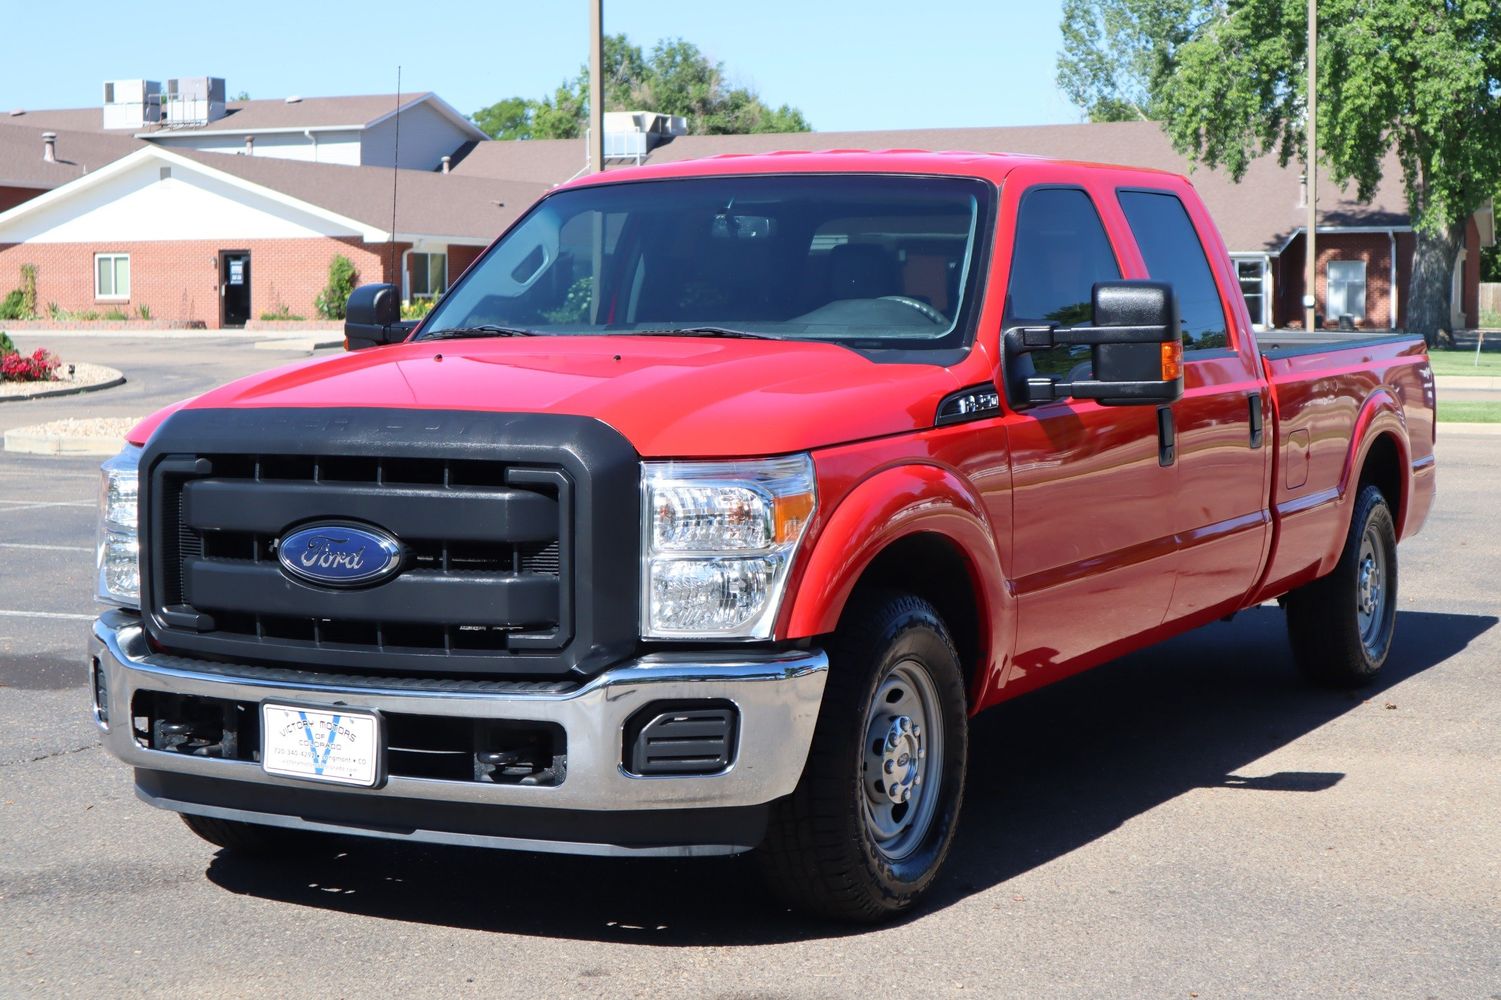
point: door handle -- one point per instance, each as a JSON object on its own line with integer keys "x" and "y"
{"x": 1254, "y": 399}
{"x": 1167, "y": 437}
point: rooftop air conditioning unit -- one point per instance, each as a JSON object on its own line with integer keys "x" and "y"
{"x": 193, "y": 100}
{"x": 132, "y": 104}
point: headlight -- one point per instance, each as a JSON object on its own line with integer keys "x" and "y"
{"x": 119, "y": 552}
{"x": 718, "y": 542}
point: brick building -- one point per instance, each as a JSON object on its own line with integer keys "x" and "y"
{"x": 218, "y": 240}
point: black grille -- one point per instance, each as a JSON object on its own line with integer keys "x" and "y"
{"x": 489, "y": 579}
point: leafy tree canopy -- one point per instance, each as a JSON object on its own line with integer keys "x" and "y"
{"x": 1228, "y": 81}
{"x": 676, "y": 78}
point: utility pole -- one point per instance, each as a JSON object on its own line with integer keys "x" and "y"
{"x": 1311, "y": 264}
{"x": 597, "y": 85}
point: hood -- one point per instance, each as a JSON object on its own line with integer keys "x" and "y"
{"x": 670, "y": 397}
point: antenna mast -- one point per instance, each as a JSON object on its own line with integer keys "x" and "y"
{"x": 395, "y": 173}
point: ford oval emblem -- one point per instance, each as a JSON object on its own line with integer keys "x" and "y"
{"x": 339, "y": 554}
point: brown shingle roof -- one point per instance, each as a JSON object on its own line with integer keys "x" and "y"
{"x": 1259, "y": 214}
{"x": 428, "y": 204}
{"x": 21, "y": 163}
{"x": 240, "y": 116}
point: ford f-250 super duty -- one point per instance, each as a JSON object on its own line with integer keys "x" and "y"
{"x": 711, "y": 503}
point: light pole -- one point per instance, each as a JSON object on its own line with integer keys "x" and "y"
{"x": 1311, "y": 264}
{"x": 597, "y": 86}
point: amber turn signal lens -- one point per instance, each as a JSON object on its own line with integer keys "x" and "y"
{"x": 1172, "y": 361}
{"x": 792, "y": 513}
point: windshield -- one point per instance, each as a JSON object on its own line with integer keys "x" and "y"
{"x": 877, "y": 263}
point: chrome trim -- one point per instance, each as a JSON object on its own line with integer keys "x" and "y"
{"x": 778, "y": 695}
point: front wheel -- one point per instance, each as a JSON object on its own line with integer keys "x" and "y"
{"x": 1341, "y": 625}
{"x": 874, "y": 814}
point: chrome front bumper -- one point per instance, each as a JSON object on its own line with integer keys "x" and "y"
{"x": 777, "y": 694}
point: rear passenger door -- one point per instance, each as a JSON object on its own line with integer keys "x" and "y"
{"x": 1219, "y": 511}
{"x": 1093, "y": 550}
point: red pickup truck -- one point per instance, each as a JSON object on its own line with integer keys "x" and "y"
{"x": 703, "y": 512}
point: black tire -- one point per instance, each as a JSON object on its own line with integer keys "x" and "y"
{"x": 1338, "y": 640}
{"x": 251, "y": 839}
{"x": 821, "y": 854}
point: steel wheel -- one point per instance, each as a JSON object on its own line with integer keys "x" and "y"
{"x": 903, "y": 763}
{"x": 1371, "y": 590}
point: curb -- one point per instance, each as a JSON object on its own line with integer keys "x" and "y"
{"x": 1462, "y": 428}
{"x": 305, "y": 344}
{"x": 20, "y": 442}
{"x": 75, "y": 390}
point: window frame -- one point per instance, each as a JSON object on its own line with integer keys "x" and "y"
{"x": 412, "y": 296}
{"x": 113, "y": 296}
{"x": 1232, "y": 331}
{"x": 1345, "y": 284}
{"x": 1264, "y": 274}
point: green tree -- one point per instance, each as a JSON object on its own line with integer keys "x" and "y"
{"x": 675, "y": 79}
{"x": 1418, "y": 76}
{"x": 507, "y": 119}
{"x": 1118, "y": 54}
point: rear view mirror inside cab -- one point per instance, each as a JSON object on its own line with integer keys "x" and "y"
{"x": 1136, "y": 353}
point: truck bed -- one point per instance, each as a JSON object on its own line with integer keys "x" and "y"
{"x": 1336, "y": 399}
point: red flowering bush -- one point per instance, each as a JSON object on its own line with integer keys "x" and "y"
{"x": 41, "y": 366}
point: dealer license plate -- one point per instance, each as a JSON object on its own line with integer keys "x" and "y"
{"x": 337, "y": 746}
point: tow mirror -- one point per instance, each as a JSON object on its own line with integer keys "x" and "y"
{"x": 1137, "y": 356}
{"x": 373, "y": 317}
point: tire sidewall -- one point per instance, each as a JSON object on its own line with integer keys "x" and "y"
{"x": 1373, "y": 512}
{"x": 917, "y": 637}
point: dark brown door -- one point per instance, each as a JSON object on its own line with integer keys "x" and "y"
{"x": 234, "y": 288}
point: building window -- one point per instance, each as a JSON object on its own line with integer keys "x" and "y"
{"x": 1252, "y": 274}
{"x": 427, "y": 275}
{"x": 1346, "y": 279}
{"x": 112, "y": 276}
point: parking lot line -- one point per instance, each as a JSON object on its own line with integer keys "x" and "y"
{"x": 58, "y": 615}
{"x": 15, "y": 505}
{"x": 47, "y": 548}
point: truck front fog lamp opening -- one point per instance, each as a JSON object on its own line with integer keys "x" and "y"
{"x": 119, "y": 551}
{"x": 718, "y": 539}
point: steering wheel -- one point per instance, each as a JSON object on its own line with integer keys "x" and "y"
{"x": 933, "y": 315}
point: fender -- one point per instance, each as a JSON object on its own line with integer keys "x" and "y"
{"x": 1379, "y": 415}
{"x": 894, "y": 504}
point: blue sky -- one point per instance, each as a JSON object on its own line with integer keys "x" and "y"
{"x": 866, "y": 65}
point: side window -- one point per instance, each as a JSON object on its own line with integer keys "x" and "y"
{"x": 1060, "y": 251}
{"x": 1172, "y": 252}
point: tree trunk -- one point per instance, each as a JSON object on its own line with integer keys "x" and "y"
{"x": 1428, "y": 291}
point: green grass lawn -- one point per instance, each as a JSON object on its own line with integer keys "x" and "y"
{"x": 1469, "y": 412}
{"x": 1463, "y": 362}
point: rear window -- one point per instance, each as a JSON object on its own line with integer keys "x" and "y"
{"x": 1170, "y": 247}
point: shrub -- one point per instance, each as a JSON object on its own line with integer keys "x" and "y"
{"x": 331, "y": 301}
{"x": 281, "y": 312}
{"x": 116, "y": 313}
{"x": 7, "y": 346}
{"x": 13, "y": 306}
{"x": 40, "y": 366}
{"x": 417, "y": 308}
{"x": 28, "y": 290}
{"x": 143, "y": 311}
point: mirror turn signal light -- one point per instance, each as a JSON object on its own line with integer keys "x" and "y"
{"x": 1172, "y": 360}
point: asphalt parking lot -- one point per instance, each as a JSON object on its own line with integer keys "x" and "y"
{"x": 1191, "y": 821}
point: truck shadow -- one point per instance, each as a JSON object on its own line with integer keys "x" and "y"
{"x": 1049, "y": 773}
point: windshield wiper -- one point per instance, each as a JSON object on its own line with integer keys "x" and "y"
{"x": 484, "y": 330}
{"x": 700, "y": 331}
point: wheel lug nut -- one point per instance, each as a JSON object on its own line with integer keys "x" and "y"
{"x": 917, "y": 730}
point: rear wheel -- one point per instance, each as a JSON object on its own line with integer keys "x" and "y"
{"x": 1341, "y": 625}
{"x": 872, "y": 819}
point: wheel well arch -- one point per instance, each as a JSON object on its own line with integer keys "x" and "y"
{"x": 1382, "y": 468}
{"x": 931, "y": 566}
